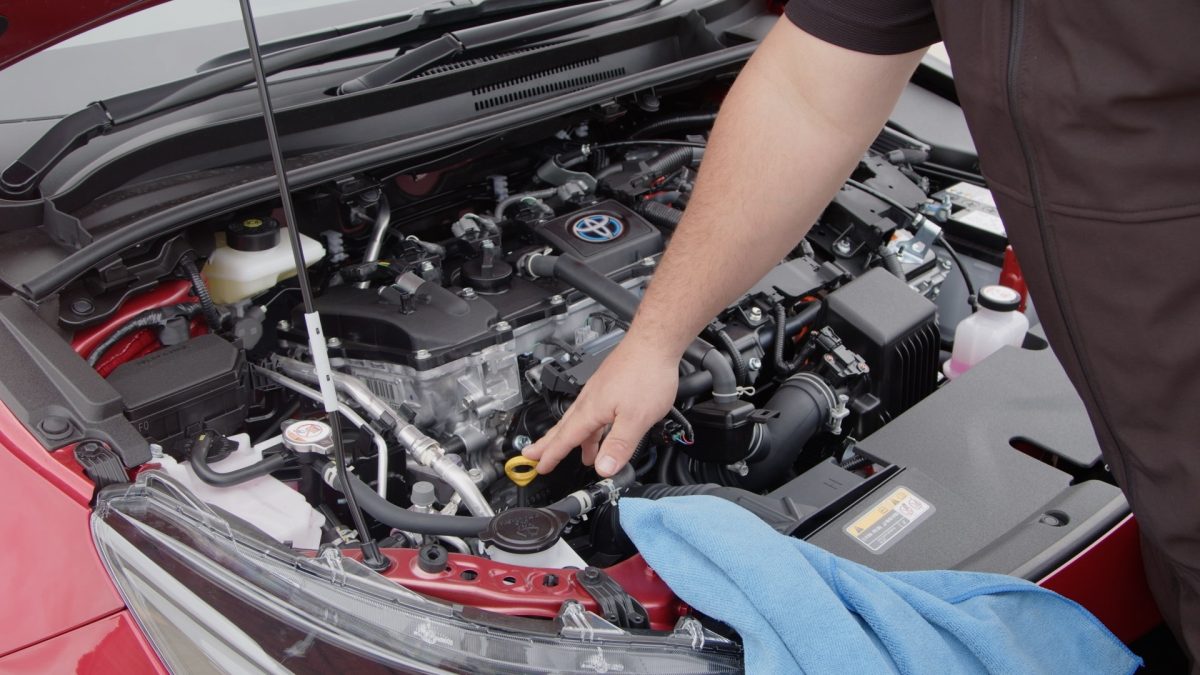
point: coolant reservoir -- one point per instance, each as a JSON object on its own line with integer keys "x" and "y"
{"x": 265, "y": 502}
{"x": 254, "y": 256}
{"x": 997, "y": 323}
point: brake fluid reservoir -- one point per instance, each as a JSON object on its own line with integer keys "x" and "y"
{"x": 254, "y": 256}
{"x": 997, "y": 323}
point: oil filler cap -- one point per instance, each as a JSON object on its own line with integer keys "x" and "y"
{"x": 525, "y": 530}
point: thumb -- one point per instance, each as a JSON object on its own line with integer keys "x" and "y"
{"x": 619, "y": 445}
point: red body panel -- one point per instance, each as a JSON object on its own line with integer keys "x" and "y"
{"x": 53, "y": 580}
{"x": 523, "y": 591}
{"x": 113, "y": 644}
{"x": 33, "y": 26}
{"x": 1108, "y": 578}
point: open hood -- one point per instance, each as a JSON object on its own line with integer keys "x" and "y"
{"x": 27, "y": 28}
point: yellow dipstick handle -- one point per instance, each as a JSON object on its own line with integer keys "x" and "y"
{"x": 520, "y": 470}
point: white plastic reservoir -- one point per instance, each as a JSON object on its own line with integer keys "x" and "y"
{"x": 997, "y": 323}
{"x": 234, "y": 274}
{"x": 265, "y": 502}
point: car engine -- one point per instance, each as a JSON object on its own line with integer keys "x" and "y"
{"x": 467, "y": 300}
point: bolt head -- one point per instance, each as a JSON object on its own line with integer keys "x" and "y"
{"x": 754, "y": 363}
{"x": 648, "y": 262}
{"x": 426, "y": 266}
{"x": 468, "y": 293}
{"x": 501, "y": 326}
{"x": 423, "y": 354}
{"x": 556, "y": 300}
{"x": 842, "y": 246}
{"x": 756, "y": 314}
{"x": 521, "y": 442}
{"x": 333, "y": 343}
{"x": 284, "y": 325}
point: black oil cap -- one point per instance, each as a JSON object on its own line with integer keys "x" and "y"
{"x": 525, "y": 530}
{"x": 252, "y": 234}
{"x": 999, "y": 298}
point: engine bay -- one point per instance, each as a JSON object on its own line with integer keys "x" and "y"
{"x": 466, "y": 300}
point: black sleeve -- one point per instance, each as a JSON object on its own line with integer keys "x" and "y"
{"x": 869, "y": 26}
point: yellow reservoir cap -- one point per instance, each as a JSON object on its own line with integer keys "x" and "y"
{"x": 521, "y": 470}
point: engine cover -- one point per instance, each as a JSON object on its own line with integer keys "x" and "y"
{"x": 607, "y": 236}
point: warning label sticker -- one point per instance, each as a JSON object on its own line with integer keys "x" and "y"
{"x": 889, "y": 520}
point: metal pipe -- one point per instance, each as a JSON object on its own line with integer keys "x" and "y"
{"x": 427, "y": 451}
{"x": 383, "y": 219}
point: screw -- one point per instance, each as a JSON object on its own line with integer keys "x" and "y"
{"x": 284, "y": 325}
{"x": 82, "y": 307}
{"x": 423, "y": 354}
{"x": 842, "y": 246}
{"x": 740, "y": 468}
{"x": 756, "y": 314}
{"x": 754, "y": 363}
{"x": 946, "y": 264}
{"x": 521, "y": 442}
{"x": 501, "y": 326}
{"x": 467, "y": 293}
{"x": 556, "y": 300}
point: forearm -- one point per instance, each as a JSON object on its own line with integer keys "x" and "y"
{"x": 792, "y": 128}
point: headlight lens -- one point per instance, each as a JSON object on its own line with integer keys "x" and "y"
{"x": 210, "y": 595}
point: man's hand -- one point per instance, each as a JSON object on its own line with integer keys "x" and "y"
{"x": 793, "y": 126}
{"x": 631, "y": 390}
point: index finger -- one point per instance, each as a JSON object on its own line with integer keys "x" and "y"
{"x": 550, "y": 449}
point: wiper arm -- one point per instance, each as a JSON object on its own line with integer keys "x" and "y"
{"x": 434, "y": 15}
{"x": 72, "y": 132}
{"x": 522, "y": 28}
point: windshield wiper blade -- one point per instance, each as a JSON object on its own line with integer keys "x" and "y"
{"x": 523, "y": 28}
{"x": 72, "y": 132}
{"x": 455, "y": 11}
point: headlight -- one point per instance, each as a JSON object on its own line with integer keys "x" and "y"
{"x": 211, "y": 594}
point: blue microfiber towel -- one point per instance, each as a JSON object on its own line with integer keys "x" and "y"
{"x": 800, "y": 609}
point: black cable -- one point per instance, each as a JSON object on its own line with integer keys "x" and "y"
{"x": 962, "y": 270}
{"x": 912, "y": 215}
{"x": 663, "y": 474}
{"x": 372, "y": 557}
{"x": 649, "y": 141}
{"x": 150, "y": 318}
{"x": 674, "y": 123}
{"x": 211, "y": 315}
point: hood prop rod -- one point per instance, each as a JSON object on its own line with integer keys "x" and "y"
{"x": 371, "y": 555}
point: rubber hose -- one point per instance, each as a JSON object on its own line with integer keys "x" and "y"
{"x": 804, "y": 409}
{"x": 410, "y": 521}
{"x": 211, "y": 315}
{"x": 675, "y": 123}
{"x": 660, "y": 214}
{"x": 740, "y": 371}
{"x": 664, "y": 465}
{"x": 199, "y": 461}
{"x": 670, "y": 161}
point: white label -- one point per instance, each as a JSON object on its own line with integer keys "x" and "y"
{"x": 889, "y": 520}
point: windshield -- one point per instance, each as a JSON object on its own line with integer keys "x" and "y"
{"x": 162, "y": 44}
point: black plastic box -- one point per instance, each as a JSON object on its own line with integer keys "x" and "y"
{"x": 177, "y": 391}
{"x": 892, "y": 328}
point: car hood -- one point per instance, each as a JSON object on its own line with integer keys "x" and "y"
{"x": 27, "y": 28}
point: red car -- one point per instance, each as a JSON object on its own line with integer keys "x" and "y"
{"x": 481, "y": 193}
